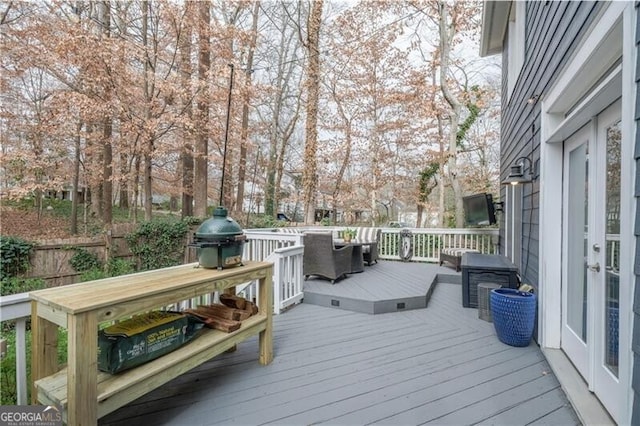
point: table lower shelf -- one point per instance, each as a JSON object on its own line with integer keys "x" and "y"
{"x": 117, "y": 390}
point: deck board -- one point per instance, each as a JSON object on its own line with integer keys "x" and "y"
{"x": 439, "y": 365}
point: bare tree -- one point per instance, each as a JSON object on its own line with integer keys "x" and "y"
{"x": 312, "y": 84}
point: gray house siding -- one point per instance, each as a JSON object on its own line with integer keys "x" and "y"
{"x": 635, "y": 380}
{"x": 552, "y": 31}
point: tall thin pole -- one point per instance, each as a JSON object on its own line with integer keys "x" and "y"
{"x": 226, "y": 135}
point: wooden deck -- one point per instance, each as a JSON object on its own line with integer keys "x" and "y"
{"x": 439, "y": 365}
{"x": 384, "y": 287}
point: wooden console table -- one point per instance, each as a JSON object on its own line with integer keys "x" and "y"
{"x": 87, "y": 394}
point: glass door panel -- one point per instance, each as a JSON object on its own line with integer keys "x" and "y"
{"x": 576, "y": 278}
{"x": 605, "y": 197}
{"x": 612, "y": 238}
{"x": 578, "y": 231}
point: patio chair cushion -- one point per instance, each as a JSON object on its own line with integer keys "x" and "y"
{"x": 367, "y": 234}
{"x": 456, "y": 251}
{"x": 290, "y": 230}
{"x": 370, "y": 235}
{"x": 453, "y": 255}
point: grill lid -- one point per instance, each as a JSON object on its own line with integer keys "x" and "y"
{"x": 219, "y": 227}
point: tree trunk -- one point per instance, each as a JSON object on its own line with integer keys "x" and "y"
{"x": 186, "y": 156}
{"x": 107, "y": 193}
{"x": 76, "y": 165}
{"x": 446, "y": 35}
{"x": 345, "y": 159}
{"x": 274, "y": 133}
{"x": 420, "y": 211}
{"x": 148, "y": 148}
{"x": 76, "y": 181}
{"x": 202, "y": 139}
{"x": 286, "y": 137}
{"x": 441, "y": 173}
{"x": 309, "y": 176}
{"x": 244, "y": 131}
{"x": 107, "y": 133}
{"x": 94, "y": 159}
{"x": 123, "y": 198}
{"x": 136, "y": 191}
{"x": 125, "y": 167}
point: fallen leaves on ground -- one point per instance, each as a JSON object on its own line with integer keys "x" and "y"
{"x": 27, "y": 225}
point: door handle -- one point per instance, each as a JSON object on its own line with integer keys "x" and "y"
{"x": 595, "y": 267}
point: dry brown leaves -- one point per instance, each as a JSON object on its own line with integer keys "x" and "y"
{"x": 26, "y": 225}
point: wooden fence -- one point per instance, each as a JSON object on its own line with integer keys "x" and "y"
{"x": 50, "y": 258}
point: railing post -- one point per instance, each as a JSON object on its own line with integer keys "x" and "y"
{"x": 21, "y": 360}
{"x": 277, "y": 283}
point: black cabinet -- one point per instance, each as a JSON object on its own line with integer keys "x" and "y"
{"x": 485, "y": 268}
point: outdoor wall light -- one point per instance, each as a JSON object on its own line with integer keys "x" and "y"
{"x": 533, "y": 99}
{"x": 519, "y": 172}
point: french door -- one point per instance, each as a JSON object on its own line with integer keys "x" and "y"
{"x": 591, "y": 254}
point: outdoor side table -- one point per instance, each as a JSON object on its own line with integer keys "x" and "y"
{"x": 479, "y": 268}
{"x": 357, "y": 258}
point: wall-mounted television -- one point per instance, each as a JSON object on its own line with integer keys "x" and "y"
{"x": 479, "y": 210}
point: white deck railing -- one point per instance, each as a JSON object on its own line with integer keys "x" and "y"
{"x": 18, "y": 307}
{"x": 426, "y": 243}
{"x": 287, "y": 277}
{"x": 285, "y": 250}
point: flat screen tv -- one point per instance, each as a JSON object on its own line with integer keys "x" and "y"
{"x": 479, "y": 210}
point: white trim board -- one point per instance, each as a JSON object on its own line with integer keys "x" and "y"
{"x": 587, "y": 406}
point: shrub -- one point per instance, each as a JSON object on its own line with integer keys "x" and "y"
{"x": 262, "y": 221}
{"x": 14, "y": 256}
{"x": 84, "y": 260}
{"x": 8, "y": 392}
{"x": 93, "y": 274}
{"x": 115, "y": 267}
{"x": 158, "y": 243}
{"x": 17, "y": 285}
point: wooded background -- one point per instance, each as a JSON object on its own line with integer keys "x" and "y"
{"x": 367, "y": 108}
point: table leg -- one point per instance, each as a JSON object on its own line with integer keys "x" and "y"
{"x": 357, "y": 259}
{"x": 265, "y": 297}
{"x": 82, "y": 370}
{"x": 231, "y": 291}
{"x": 44, "y": 349}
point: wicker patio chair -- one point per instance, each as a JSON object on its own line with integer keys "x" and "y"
{"x": 323, "y": 259}
{"x": 372, "y": 237}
